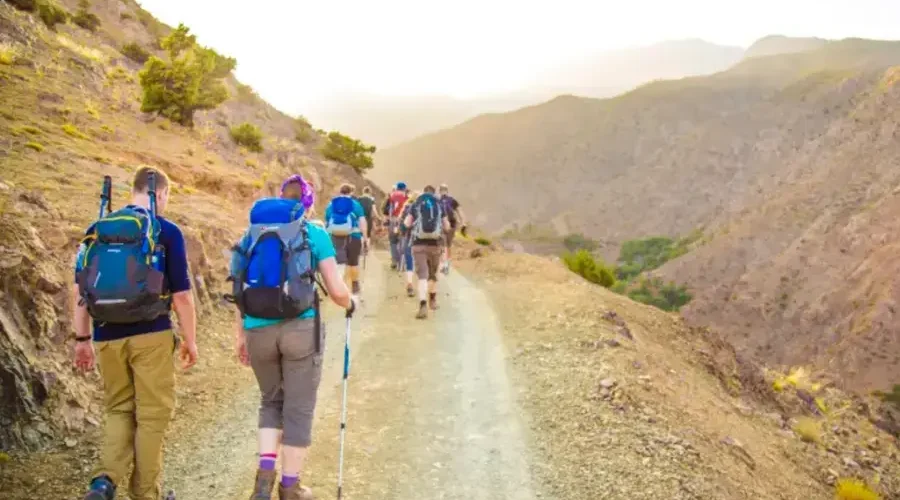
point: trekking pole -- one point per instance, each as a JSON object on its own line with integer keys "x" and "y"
{"x": 106, "y": 196}
{"x": 344, "y": 403}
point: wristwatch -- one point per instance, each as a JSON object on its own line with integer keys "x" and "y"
{"x": 82, "y": 339}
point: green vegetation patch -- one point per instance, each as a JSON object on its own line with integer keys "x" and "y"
{"x": 35, "y": 146}
{"x": 73, "y": 131}
{"x": 52, "y": 14}
{"x": 86, "y": 20}
{"x": 135, "y": 52}
{"x": 591, "y": 268}
{"x": 247, "y": 135}
{"x": 350, "y": 151}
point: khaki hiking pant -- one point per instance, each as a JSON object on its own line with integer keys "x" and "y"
{"x": 428, "y": 260}
{"x": 139, "y": 398}
{"x": 288, "y": 370}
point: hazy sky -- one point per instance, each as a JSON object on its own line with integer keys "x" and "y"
{"x": 297, "y": 53}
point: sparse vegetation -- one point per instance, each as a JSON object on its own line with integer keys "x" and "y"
{"x": 350, "y": 151}
{"x": 303, "y": 131}
{"x": 51, "y": 13}
{"x": 483, "y": 241}
{"x": 246, "y": 94}
{"x": 653, "y": 292}
{"x": 892, "y": 397}
{"x": 26, "y": 5}
{"x": 35, "y": 146}
{"x": 574, "y": 242}
{"x": 86, "y": 52}
{"x": 29, "y": 129}
{"x": 854, "y": 489}
{"x": 808, "y": 430}
{"x": 86, "y": 20}
{"x": 91, "y": 109}
{"x": 8, "y": 54}
{"x": 191, "y": 80}
{"x": 247, "y": 135}
{"x": 638, "y": 256}
{"x": 135, "y": 52}
{"x": 584, "y": 264}
{"x": 73, "y": 131}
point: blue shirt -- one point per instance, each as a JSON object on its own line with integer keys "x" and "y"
{"x": 322, "y": 248}
{"x": 358, "y": 213}
{"x": 178, "y": 279}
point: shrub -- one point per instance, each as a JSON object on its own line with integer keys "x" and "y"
{"x": 854, "y": 489}
{"x": 594, "y": 270}
{"x": 665, "y": 296}
{"x": 247, "y": 135}
{"x": 26, "y": 5}
{"x": 349, "y": 151}
{"x": 86, "y": 20}
{"x": 73, "y": 131}
{"x": 51, "y": 13}
{"x": 35, "y": 146}
{"x": 483, "y": 241}
{"x": 8, "y": 54}
{"x": 809, "y": 430}
{"x": 303, "y": 131}
{"x": 246, "y": 94}
{"x": 892, "y": 397}
{"x": 575, "y": 242}
{"x": 135, "y": 52}
{"x": 191, "y": 80}
{"x": 86, "y": 52}
{"x": 126, "y": 16}
{"x": 31, "y": 130}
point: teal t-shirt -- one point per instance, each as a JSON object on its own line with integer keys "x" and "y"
{"x": 358, "y": 213}
{"x": 322, "y": 248}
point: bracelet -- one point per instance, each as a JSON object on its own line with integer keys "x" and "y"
{"x": 83, "y": 339}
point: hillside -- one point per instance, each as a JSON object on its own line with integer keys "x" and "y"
{"x": 71, "y": 114}
{"x": 776, "y": 44}
{"x": 387, "y": 121}
{"x": 793, "y": 149}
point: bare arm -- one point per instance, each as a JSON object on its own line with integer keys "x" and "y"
{"x": 334, "y": 282}
{"x": 82, "y": 320}
{"x": 408, "y": 221}
{"x": 183, "y": 303}
{"x": 461, "y": 217}
{"x": 363, "y": 225}
{"x": 445, "y": 223}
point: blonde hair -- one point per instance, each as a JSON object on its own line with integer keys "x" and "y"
{"x": 139, "y": 183}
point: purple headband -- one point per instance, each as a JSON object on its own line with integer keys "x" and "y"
{"x": 307, "y": 196}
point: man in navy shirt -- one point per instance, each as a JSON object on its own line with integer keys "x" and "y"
{"x": 136, "y": 365}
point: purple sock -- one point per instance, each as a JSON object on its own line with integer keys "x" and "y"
{"x": 267, "y": 461}
{"x": 288, "y": 481}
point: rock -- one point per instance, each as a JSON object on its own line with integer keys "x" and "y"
{"x": 831, "y": 477}
{"x": 71, "y": 443}
{"x": 738, "y": 450}
{"x": 612, "y": 343}
{"x": 850, "y": 463}
{"x": 608, "y": 383}
{"x": 476, "y": 253}
{"x": 625, "y": 332}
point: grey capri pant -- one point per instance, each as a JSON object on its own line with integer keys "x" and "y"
{"x": 288, "y": 370}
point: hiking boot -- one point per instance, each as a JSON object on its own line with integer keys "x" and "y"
{"x": 265, "y": 481}
{"x": 410, "y": 291}
{"x": 432, "y": 303}
{"x": 295, "y": 492}
{"x": 423, "y": 310}
{"x": 101, "y": 489}
{"x": 394, "y": 266}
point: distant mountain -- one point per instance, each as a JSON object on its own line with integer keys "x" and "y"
{"x": 387, "y": 121}
{"x": 788, "y": 163}
{"x": 778, "y": 44}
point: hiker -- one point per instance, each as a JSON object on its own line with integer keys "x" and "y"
{"x": 428, "y": 224}
{"x": 346, "y": 222}
{"x": 457, "y": 220}
{"x": 406, "y": 244}
{"x": 279, "y": 332}
{"x": 393, "y": 208}
{"x": 131, "y": 271}
{"x": 367, "y": 202}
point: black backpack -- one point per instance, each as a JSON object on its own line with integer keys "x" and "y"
{"x": 367, "y": 203}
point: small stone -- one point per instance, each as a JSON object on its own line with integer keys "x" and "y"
{"x": 613, "y": 343}
{"x": 71, "y": 443}
{"x": 608, "y": 383}
{"x": 849, "y": 462}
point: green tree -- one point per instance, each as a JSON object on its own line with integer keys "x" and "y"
{"x": 191, "y": 80}
{"x": 345, "y": 149}
{"x": 574, "y": 242}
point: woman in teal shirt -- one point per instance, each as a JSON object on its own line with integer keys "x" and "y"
{"x": 287, "y": 360}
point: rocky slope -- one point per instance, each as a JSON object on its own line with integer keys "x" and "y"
{"x": 71, "y": 114}
{"x": 783, "y": 161}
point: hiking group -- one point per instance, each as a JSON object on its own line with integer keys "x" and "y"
{"x": 131, "y": 273}
{"x": 421, "y": 228}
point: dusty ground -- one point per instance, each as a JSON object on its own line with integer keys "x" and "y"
{"x": 517, "y": 388}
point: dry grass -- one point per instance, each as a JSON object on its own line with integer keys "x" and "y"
{"x": 8, "y": 54}
{"x": 35, "y": 146}
{"x": 73, "y": 131}
{"x": 809, "y": 430}
{"x": 91, "y": 109}
{"x": 86, "y": 52}
{"x": 854, "y": 489}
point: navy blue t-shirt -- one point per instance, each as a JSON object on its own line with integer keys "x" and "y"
{"x": 177, "y": 279}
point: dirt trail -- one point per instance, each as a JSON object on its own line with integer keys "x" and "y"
{"x": 431, "y": 413}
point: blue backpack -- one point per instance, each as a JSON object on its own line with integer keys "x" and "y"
{"x": 342, "y": 221}
{"x": 121, "y": 266}
{"x": 272, "y": 266}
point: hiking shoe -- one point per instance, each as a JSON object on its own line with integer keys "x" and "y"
{"x": 432, "y": 304}
{"x": 295, "y": 492}
{"x": 446, "y": 268}
{"x": 265, "y": 481}
{"x": 101, "y": 489}
{"x": 394, "y": 266}
{"x": 410, "y": 291}
{"x": 423, "y": 310}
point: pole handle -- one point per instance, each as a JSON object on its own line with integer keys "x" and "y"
{"x": 151, "y": 191}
